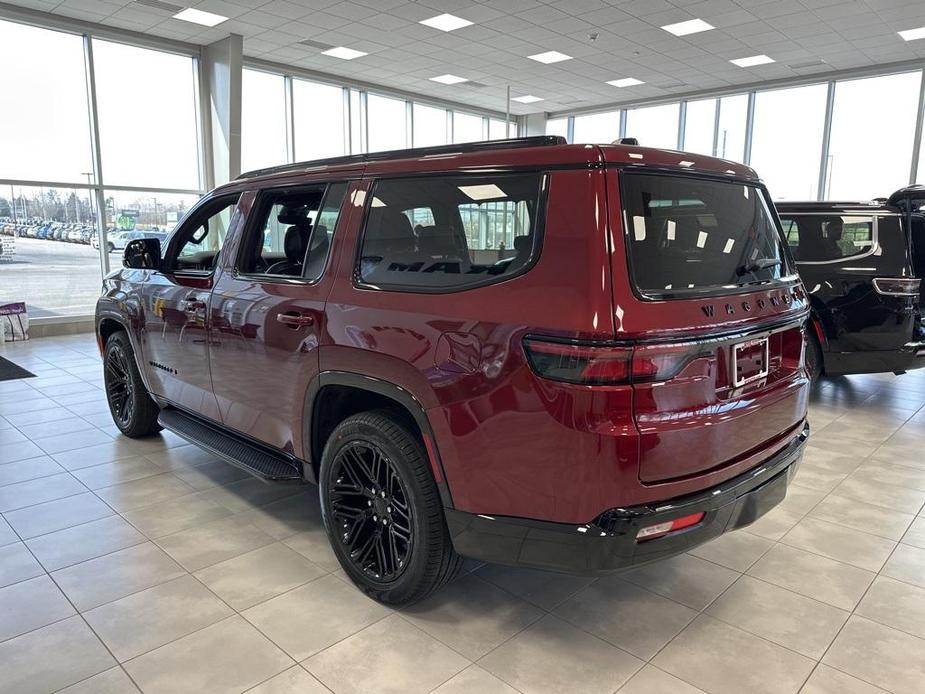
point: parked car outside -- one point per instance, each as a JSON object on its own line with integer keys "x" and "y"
{"x": 116, "y": 240}
{"x": 627, "y": 385}
{"x": 862, "y": 264}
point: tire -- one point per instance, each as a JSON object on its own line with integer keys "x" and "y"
{"x": 130, "y": 404}
{"x": 110, "y": 247}
{"x": 376, "y": 489}
{"x": 815, "y": 365}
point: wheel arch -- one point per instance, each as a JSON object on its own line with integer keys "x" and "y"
{"x": 335, "y": 395}
{"x": 108, "y": 323}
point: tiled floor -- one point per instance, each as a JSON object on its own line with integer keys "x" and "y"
{"x": 149, "y": 564}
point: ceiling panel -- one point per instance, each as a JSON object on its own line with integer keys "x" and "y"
{"x": 803, "y": 36}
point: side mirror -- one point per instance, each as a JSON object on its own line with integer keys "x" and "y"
{"x": 142, "y": 254}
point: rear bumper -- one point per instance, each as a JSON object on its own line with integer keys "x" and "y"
{"x": 608, "y": 543}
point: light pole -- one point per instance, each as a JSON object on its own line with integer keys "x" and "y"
{"x": 89, "y": 176}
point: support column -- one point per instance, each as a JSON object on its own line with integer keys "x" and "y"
{"x": 222, "y": 65}
{"x": 534, "y": 124}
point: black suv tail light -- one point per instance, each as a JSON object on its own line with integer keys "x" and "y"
{"x": 589, "y": 364}
{"x": 895, "y": 286}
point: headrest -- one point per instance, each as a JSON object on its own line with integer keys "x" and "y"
{"x": 295, "y": 243}
{"x": 522, "y": 244}
{"x": 388, "y": 231}
{"x": 293, "y": 214}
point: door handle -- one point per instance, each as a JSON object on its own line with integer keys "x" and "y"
{"x": 192, "y": 305}
{"x": 295, "y": 319}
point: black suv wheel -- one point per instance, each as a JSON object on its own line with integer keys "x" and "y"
{"x": 382, "y": 510}
{"x": 132, "y": 408}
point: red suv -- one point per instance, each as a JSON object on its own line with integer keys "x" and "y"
{"x": 560, "y": 356}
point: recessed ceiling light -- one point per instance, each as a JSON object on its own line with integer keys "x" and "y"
{"x": 753, "y": 60}
{"x": 913, "y": 34}
{"x": 550, "y": 57}
{"x": 446, "y": 22}
{"x": 448, "y": 79}
{"x": 691, "y": 26}
{"x": 343, "y": 53}
{"x": 626, "y": 82}
{"x": 207, "y": 19}
{"x": 527, "y": 99}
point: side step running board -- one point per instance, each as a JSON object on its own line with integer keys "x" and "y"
{"x": 255, "y": 459}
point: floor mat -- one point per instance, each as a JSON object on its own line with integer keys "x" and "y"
{"x": 10, "y": 371}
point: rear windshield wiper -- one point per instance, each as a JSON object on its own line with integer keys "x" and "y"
{"x": 755, "y": 265}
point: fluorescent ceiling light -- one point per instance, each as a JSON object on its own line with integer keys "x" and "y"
{"x": 691, "y": 26}
{"x": 488, "y": 191}
{"x": 446, "y": 22}
{"x": 207, "y": 19}
{"x": 448, "y": 79}
{"x": 913, "y": 34}
{"x": 626, "y": 82}
{"x": 549, "y": 57}
{"x": 753, "y": 60}
{"x": 343, "y": 53}
{"x": 527, "y": 99}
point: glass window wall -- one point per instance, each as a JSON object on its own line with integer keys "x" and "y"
{"x": 730, "y": 136}
{"x": 429, "y": 126}
{"x": 787, "y": 140}
{"x": 318, "y": 121}
{"x": 147, "y": 116}
{"x": 597, "y": 128}
{"x": 386, "y": 123}
{"x": 467, "y": 128}
{"x": 699, "y": 124}
{"x": 45, "y": 133}
{"x": 557, "y": 126}
{"x": 263, "y": 120}
{"x": 654, "y": 126}
{"x": 873, "y": 126}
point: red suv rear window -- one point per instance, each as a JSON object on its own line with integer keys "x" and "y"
{"x": 689, "y": 235}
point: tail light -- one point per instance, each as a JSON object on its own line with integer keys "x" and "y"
{"x": 890, "y": 286}
{"x": 587, "y": 364}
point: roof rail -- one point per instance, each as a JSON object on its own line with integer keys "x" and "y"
{"x": 487, "y": 145}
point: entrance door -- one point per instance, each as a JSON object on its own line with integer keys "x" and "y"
{"x": 175, "y": 342}
{"x": 268, "y": 313}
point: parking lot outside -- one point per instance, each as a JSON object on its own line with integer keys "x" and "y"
{"x": 53, "y": 278}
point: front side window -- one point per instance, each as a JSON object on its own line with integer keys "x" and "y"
{"x": 201, "y": 237}
{"x": 293, "y": 232}
{"x": 449, "y": 233}
{"x": 689, "y": 235}
{"x": 826, "y": 238}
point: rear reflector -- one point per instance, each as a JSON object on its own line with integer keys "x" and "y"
{"x": 650, "y": 532}
{"x": 891, "y": 286}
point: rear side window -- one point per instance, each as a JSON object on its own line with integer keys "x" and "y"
{"x": 449, "y": 233}
{"x": 826, "y": 238}
{"x": 688, "y": 235}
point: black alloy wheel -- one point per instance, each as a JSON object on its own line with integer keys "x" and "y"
{"x": 369, "y": 504}
{"x": 119, "y": 387}
{"x": 132, "y": 408}
{"x": 382, "y": 509}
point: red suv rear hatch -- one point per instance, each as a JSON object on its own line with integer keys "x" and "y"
{"x": 706, "y": 292}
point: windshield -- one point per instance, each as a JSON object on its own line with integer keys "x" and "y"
{"x": 687, "y": 235}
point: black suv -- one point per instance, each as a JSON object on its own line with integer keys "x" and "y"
{"x": 862, "y": 264}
